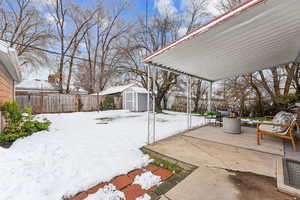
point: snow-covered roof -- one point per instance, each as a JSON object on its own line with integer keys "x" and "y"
{"x": 9, "y": 58}
{"x": 256, "y": 35}
{"x": 115, "y": 89}
{"x": 139, "y": 90}
{"x": 77, "y": 89}
{"x": 35, "y": 84}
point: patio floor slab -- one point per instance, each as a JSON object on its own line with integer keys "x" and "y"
{"x": 247, "y": 139}
{"x": 215, "y": 184}
{"x": 202, "y": 182}
{"x": 202, "y": 152}
{"x": 224, "y": 171}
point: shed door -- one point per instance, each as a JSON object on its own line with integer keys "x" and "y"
{"x": 129, "y": 102}
{"x": 142, "y": 102}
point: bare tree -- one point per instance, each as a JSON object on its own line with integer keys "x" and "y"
{"x": 78, "y": 16}
{"x": 225, "y": 5}
{"x": 198, "y": 91}
{"x": 146, "y": 41}
{"x": 60, "y": 13}
{"x": 24, "y": 28}
{"x": 293, "y": 77}
{"x": 102, "y": 45}
{"x": 195, "y": 12}
{"x": 161, "y": 30}
{"x": 238, "y": 93}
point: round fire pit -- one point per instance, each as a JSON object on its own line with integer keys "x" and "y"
{"x": 232, "y": 125}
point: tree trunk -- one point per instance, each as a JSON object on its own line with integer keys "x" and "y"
{"x": 61, "y": 68}
{"x": 165, "y": 102}
{"x": 158, "y": 101}
{"x": 266, "y": 86}
{"x": 69, "y": 75}
{"x": 258, "y": 96}
{"x": 196, "y": 107}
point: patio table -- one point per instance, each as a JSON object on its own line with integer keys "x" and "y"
{"x": 232, "y": 125}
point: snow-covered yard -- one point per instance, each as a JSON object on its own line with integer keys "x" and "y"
{"x": 79, "y": 151}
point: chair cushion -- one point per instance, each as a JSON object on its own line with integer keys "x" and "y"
{"x": 282, "y": 118}
{"x": 269, "y": 128}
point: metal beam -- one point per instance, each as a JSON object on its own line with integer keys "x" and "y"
{"x": 190, "y": 92}
{"x": 153, "y": 104}
{"x": 148, "y": 103}
{"x": 188, "y": 101}
{"x": 177, "y": 71}
{"x": 209, "y": 108}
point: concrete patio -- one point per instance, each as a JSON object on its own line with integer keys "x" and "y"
{"x": 247, "y": 139}
{"x": 220, "y": 157}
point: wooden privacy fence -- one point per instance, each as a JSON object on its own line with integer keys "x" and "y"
{"x": 59, "y": 103}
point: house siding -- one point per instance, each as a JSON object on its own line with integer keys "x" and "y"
{"x": 6, "y": 86}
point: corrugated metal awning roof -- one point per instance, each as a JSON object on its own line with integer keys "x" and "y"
{"x": 256, "y": 35}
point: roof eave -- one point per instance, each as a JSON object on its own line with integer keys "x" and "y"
{"x": 178, "y": 72}
{"x": 11, "y": 62}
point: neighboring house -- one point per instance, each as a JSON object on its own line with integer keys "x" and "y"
{"x": 9, "y": 74}
{"x": 77, "y": 90}
{"x": 130, "y": 97}
{"x": 37, "y": 86}
{"x": 177, "y": 102}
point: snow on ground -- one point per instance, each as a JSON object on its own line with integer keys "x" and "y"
{"x": 147, "y": 180}
{"x": 108, "y": 192}
{"x": 79, "y": 151}
{"x": 145, "y": 197}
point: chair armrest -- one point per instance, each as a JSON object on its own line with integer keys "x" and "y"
{"x": 272, "y": 124}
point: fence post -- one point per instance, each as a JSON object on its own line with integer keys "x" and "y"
{"x": 42, "y": 103}
{"x": 78, "y": 103}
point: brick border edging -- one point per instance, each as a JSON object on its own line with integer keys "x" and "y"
{"x": 175, "y": 179}
{"x": 125, "y": 183}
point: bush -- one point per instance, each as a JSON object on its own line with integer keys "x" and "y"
{"x": 20, "y": 122}
{"x": 11, "y": 112}
{"x": 108, "y": 103}
{"x": 210, "y": 113}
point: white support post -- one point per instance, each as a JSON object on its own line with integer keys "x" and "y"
{"x": 188, "y": 101}
{"x": 148, "y": 102}
{"x": 190, "y": 92}
{"x": 153, "y": 104}
{"x": 209, "y": 108}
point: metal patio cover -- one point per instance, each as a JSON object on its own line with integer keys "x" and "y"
{"x": 256, "y": 35}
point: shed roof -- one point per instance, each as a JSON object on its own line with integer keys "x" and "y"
{"x": 139, "y": 90}
{"x": 256, "y": 35}
{"x": 115, "y": 89}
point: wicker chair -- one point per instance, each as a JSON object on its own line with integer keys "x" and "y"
{"x": 266, "y": 128}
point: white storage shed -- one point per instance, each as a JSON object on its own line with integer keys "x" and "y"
{"x": 135, "y": 99}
